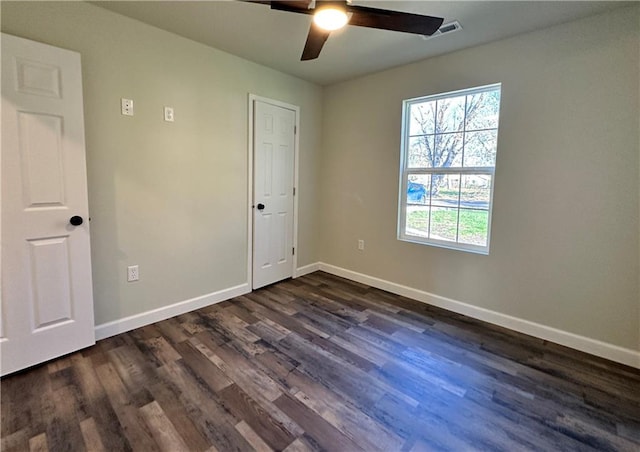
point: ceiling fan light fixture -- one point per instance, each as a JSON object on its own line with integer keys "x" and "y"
{"x": 329, "y": 15}
{"x": 330, "y": 18}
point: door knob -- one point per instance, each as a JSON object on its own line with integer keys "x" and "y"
{"x": 75, "y": 220}
{"x": 260, "y": 206}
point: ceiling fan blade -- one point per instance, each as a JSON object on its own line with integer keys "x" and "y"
{"x": 315, "y": 40}
{"x": 292, "y": 6}
{"x": 394, "y": 20}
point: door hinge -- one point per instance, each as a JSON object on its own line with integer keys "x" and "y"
{"x": 294, "y": 191}
{"x": 295, "y": 130}
{"x": 293, "y": 251}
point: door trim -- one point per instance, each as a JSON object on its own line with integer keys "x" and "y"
{"x": 296, "y": 153}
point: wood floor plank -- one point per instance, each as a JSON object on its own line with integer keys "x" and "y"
{"x": 276, "y": 365}
{"x": 16, "y": 441}
{"x": 267, "y": 332}
{"x": 38, "y": 443}
{"x": 266, "y": 299}
{"x": 244, "y": 407}
{"x": 137, "y": 433}
{"x": 98, "y": 406}
{"x": 260, "y": 386}
{"x": 203, "y": 367}
{"x": 408, "y": 323}
{"x": 205, "y": 409}
{"x": 131, "y": 370}
{"x": 342, "y": 307}
{"x": 172, "y": 331}
{"x": 396, "y": 415}
{"x": 277, "y": 317}
{"x": 20, "y": 410}
{"x": 348, "y": 353}
{"x": 336, "y": 373}
{"x": 233, "y": 326}
{"x": 161, "y": 428}
{"x": 252, "y": 437}
{"x": 320, "y": 363}
{"x": 192, "y": 323}
{"x": 350, "y": 421}
{"x": 236, "y": 367}
{"x": 162, "y": 350}
{"x": 299, "y": 445}
{"x": 242, "y": 313}
{"x": 91, "y": 436}
{"x": 63, "y": 428}
{"x": 320, "y": 430}
{"x": 179, "y": 416}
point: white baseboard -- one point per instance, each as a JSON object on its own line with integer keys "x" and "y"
{"x": 301, "y": 271}
{"x": 145, "y": 318}
{"x": 575, "y": 341}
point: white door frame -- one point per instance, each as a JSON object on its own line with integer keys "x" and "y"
{"x": 250, "y": 200}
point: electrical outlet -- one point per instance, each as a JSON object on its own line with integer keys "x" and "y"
{"x": 133, "y": 273}
{"x": 168, "y": 114}
{"x": 127, "y": 106}
{"x": 361, "y": 245}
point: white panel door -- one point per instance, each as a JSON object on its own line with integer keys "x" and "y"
{"x": 274, "y": 150}
{"x": 47, "y": 299}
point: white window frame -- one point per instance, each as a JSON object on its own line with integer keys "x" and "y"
{"x": 405, "y": 172}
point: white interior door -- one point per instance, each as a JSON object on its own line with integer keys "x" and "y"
{"x": 273, "y": 199}
{"x": 47, "y": 300}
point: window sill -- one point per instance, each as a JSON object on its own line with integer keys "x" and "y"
{"x": 447, "y": 245}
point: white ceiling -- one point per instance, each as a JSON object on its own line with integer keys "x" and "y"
{"x": 276, "y": 39}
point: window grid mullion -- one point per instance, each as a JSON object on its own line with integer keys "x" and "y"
{"x": 430, "y": 211}
{"x": 464, "y": 142}
{"x": 435, "y": 133}
{"x": 472, "y": 170}
{"x": 488, "y": 129}
{"x": 458, "y": 217}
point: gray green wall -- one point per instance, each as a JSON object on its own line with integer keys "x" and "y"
{"x": 564, "y": 244}
{"x": 170, "y": 197}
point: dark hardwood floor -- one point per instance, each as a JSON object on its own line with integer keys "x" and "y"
{"x": 322, "y": 363}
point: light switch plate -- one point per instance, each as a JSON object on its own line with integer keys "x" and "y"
{"x": 168, "y": 114}
{"x": 127, "y": 106}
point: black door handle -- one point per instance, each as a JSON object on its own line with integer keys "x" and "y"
{"x": 75, "y": 220}
{"x": 260, "y": 206}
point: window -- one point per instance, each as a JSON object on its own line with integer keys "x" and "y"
{"x": 448, "y": 160}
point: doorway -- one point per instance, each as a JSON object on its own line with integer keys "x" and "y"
{"x": 273, "y": 161}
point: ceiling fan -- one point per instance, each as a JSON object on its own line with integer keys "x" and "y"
{"x": 332, "y": 15}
